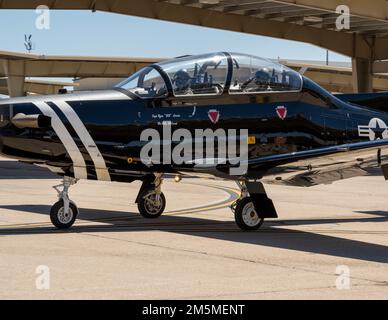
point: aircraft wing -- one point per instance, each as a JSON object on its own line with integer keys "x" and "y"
{"x": 325, "y": 165}
{"x": 309, "y": 168}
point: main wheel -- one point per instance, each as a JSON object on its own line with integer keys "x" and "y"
{"x": 59, "y": 218}
{"x": 151, "y": 204}
{"x": 246, "y": 216}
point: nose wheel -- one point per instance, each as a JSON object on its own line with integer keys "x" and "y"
{"x": 61, "y": 218}
{"x": 64, "y": 212}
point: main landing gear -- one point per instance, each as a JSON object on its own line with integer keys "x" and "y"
{"x": 64, "y": 212}
{"x": 253, "y": 206}
{"x": 151, "y": 201}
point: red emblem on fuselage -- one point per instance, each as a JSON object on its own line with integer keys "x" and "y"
{"x": 282, "y": 112}
{"x": 214, "y": 116}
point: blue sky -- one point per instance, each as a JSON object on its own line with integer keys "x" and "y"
{"x": 106, "y": 34}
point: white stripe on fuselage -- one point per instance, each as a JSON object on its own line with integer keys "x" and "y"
{"x": 66, "y": 139}
{"x": 99, "y": 162}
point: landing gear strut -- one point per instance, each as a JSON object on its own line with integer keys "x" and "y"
{"x": 244, "y": 211}
{"x": 151, "y": 201}
{"x": 64, "y": 212}
{"x": 253, "y": 206}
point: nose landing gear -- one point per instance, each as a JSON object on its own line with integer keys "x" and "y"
{"x": 64, "y": 212}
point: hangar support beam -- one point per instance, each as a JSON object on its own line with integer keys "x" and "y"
{"x": 362, "y": 75}
{"x": 15, "y": 73}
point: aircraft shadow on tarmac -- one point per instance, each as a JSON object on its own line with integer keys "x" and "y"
{"x": 271, "y": 235}
{"x": 17, "y": 170}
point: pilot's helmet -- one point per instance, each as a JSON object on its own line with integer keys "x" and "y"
{"x": 182, "y": 79}
{"x": 263, "y": 76}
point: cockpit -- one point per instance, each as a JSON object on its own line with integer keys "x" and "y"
{"x": 212, "y": 75}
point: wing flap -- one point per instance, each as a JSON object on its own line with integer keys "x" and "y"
{"x": 316, "y": 177}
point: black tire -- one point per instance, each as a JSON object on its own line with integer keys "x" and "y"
{"x": 240, "y": 214}
{"x": 144, "y": 205}
{"x": 59, "y": 220}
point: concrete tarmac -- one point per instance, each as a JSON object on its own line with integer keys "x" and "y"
{"x": 331, "y": 242}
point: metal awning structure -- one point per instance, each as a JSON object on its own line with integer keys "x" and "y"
{"x": 335, "y": 78}
{"x": 316, "y": 14}
{"x": 310, "y": 21}
{"x": 16, "y": 67}
{"x": 40, "y": 87}
{"x": 32, "y": 65}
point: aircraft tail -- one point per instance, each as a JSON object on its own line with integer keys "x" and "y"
{"x": 376, "y": 101}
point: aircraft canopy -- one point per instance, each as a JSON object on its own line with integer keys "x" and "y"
{"x": 212, "y": 74}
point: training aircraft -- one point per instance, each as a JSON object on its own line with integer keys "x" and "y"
{"x": 296, "y": 132}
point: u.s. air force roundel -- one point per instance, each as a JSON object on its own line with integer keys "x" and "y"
{"x": 376, "y": 130}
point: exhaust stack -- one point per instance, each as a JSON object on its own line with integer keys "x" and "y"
{"x": 31, "y": 121}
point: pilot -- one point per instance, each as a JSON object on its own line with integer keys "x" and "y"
{"x": 294, "y": 81}
{"x": 263, "y": 79}
{"x": 182, "y": 81}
